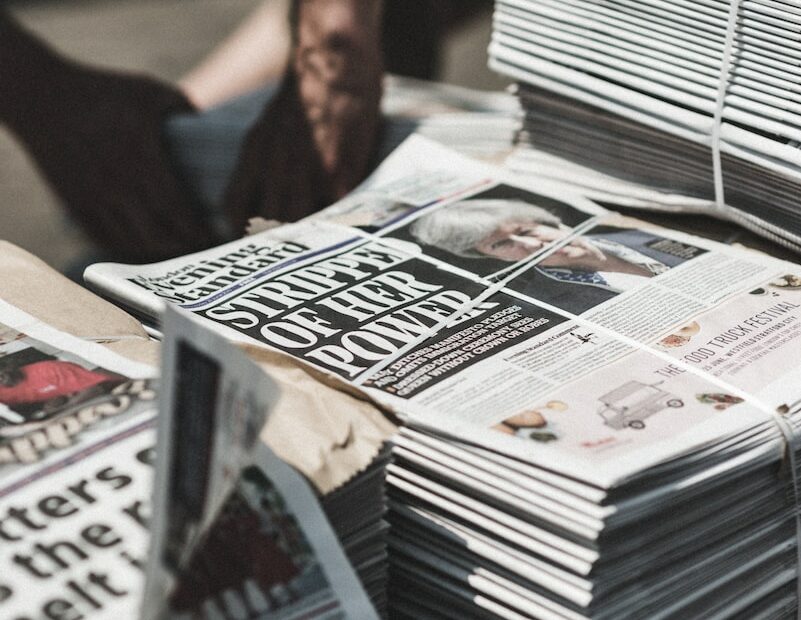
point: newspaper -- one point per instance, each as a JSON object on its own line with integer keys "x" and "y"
{"x": 515, "y": 316}
{"x": 236, "y": 532}
{"x": 76, "y": 469}
{"x": 671, "y": 88}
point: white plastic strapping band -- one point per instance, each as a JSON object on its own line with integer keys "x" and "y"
{"x": 786, "y": 429}
{"x": 791, "y": 444}
{"x": 723, "y": 87}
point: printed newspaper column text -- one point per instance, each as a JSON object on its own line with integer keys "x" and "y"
{"x": 73, "y": 540}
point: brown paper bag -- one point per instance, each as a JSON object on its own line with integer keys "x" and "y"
{"x": 322, "y": 426}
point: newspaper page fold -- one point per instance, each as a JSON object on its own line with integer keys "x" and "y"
{"x": 505, "y": 314}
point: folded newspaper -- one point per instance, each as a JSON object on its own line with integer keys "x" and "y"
{"x": 237, "y": 533}
{"x": 76, "y": 469}
{"x": 599, "y": 413}
{"x": 634, "y": 100}
{"x": 77, "y": 453}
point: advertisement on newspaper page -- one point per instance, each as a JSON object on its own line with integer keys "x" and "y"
{"x": 237, "y": 533}
{"x": 752, "y": 339}
{"x": 76, "y": 471}
{"x": 558, "y": 390}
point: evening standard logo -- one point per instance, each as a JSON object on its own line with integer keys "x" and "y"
{"x": 200, "y": 280}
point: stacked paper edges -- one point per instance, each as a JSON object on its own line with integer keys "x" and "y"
{"x": 630, "y": 89}
{"x": 709, "y": 535}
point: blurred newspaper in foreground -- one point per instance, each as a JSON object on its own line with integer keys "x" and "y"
{"x": 77, "y": 444}
{"x": 236, "y": 533}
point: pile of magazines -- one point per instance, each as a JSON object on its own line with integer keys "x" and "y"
{"x": 600, "y": 415}
{"x": 632, "y": 92}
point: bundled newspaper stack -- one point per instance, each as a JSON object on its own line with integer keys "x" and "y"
{"x": 357, "y": 513}
{"x": 710, "y": 534}
{"x": 599, "y": 414}
{"x": 635, "y": 100}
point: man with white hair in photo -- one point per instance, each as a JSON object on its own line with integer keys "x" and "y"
{"x": 512, "y": 230}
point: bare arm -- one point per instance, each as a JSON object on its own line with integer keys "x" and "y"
{"x": 256, "y": 53}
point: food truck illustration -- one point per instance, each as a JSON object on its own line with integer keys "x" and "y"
{"x": 631, "y": 403}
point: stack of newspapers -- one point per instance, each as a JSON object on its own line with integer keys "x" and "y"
{"x": 628, "y": 98}
{"x": 599, "y": 414}
{"x": 235, "y": 530}
{"x": 709, "y": 535}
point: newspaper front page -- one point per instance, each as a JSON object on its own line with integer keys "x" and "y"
{"x": 517, "y": 317}
{"x": 237, "y": 533}
{"x": 76, "y": 470}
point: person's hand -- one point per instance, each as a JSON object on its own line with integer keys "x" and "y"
{"x": 96, "y": 136}
{"x": 315, "y": 140}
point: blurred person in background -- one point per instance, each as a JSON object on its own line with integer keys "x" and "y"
{"x": 99, "y": 136}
